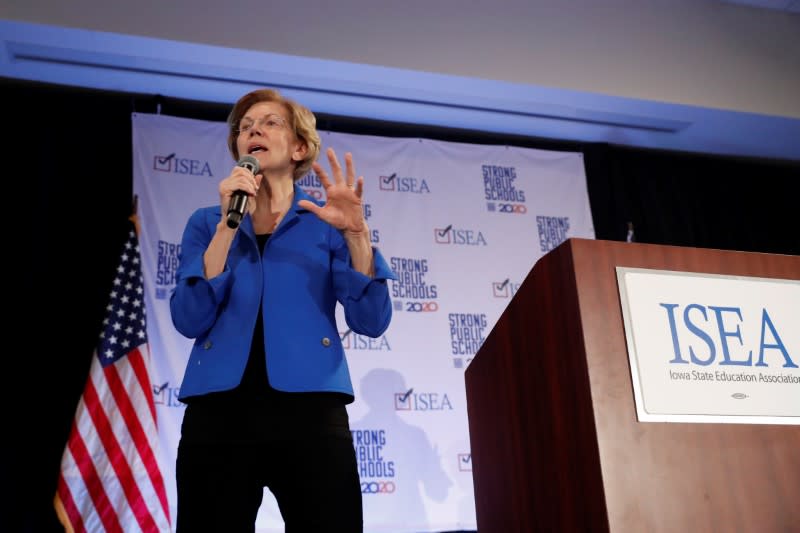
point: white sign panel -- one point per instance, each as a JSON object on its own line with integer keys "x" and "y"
{"x": 712, "y": 348}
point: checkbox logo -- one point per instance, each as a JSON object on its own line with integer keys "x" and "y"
{"x": 443, "y": 234}
{"x": 500, "y": 288}
{"x": 163, "y": 163}
{"x": 398, "y": 305}
{"x": 387, "y": 183}
{"x": 160, "y": 393}
{"x": 490, "y": 206}
{"x": 402, "y": 400}
{"x": 465, "y": 462}
{"x": 345, "y": 338}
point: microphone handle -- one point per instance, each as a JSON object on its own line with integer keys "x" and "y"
{"x": 238, "y": 206}
{"x": 237, "y": 209}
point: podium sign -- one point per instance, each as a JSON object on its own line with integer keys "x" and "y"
{"x": 712, "y": 348}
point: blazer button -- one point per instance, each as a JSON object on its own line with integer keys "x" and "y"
{"x": 326, "y": 341}
{"x": 207, "y": 345}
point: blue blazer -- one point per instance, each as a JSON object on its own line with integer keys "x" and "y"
{"x": 304, "y": 270}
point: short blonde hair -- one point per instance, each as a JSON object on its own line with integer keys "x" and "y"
{"x": 301, "y": 120}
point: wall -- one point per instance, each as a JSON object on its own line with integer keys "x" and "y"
{"x": 693, "y": 52}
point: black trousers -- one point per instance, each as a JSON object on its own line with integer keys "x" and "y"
{"x": 226, "y": 459}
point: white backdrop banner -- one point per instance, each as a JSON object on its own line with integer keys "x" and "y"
{"x": 460, "y": 224}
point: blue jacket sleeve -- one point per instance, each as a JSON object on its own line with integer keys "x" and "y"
{"x": 195, "y": 301}
{"x": 366, "y": 302}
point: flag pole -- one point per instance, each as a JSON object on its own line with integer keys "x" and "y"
{"x": 134, "y": 217}
{"x": 61, "y": 513}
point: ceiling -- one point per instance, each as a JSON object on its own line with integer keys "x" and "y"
{"x": 790, "y": 6}
{"x": 111, "y": 60}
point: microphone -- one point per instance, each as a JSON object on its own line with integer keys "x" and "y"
{"x": 238, "y": 206}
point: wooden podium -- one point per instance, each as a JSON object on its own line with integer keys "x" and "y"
{"x": 556, "y": 445}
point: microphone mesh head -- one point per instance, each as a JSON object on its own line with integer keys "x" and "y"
{"x": 250, "y": 163}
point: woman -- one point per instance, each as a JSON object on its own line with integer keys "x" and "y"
{"x": 267, "y": 380}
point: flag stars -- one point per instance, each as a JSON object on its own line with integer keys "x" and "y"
{"x": 124, "y": 325}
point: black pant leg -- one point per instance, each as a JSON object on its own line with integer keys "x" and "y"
{"x": 317, "y": 487}
{"x": 218, "y": 483}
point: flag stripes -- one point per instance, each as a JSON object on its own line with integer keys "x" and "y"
{"x": 110, "y": 477}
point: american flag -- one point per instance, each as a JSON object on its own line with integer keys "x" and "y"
{"x": 110, "y": 478}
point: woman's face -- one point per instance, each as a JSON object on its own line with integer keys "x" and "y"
{"x": 266, "y": 134}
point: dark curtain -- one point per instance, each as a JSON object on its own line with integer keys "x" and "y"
{"x": 694, "y": 200}
{"x": 68, "y": 193}
{"x": 68, "y": 160}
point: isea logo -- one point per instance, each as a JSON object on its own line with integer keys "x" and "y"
{"x": 407, "y": 184}
{"x": 458, "y": 236}
{"x": 505, "y": 288}
{"x": 167, "y": 396}
{"x": 412, "y": 400}
{"x": 353, "y": 341}
{"x": 708, "y": 331}
{"x": 181, "y": 165}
